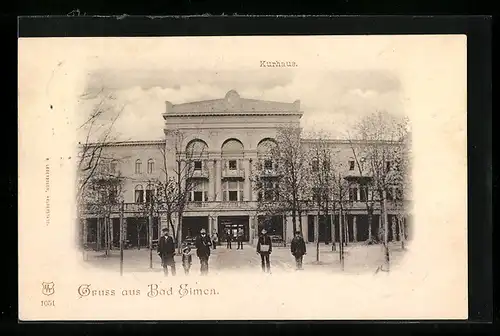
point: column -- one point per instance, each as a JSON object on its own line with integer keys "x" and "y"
{"x": 253, "y": 192}
{"x": 355, "y": 228}
{"x": 370, "y": 227}
{"x": 359, "y": 193}
{"x": 247, "y": 190}
{"x": 211, "y": 180}
{"x": 85, "y": 233}
{"x": 218, "y": 191}
{"x": 393, "y": 225}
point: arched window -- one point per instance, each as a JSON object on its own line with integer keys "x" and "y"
{"x": 265, "y": 150}
{"x": 139, "y": 194}
{"x": 232, "y": 146}
{"x": 196, "y": 149}
{"x": 113, "y": 166}
{"x": 232, "y": 150}
{"x": 138, "y": 166}
{"x": 151, "y": 166}
{"x": 150, "y": 191}
{"x": 266, "y": 146}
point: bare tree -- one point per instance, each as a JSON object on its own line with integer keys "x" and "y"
{"x": 321, "y": 183}
{"x": 178, "y": 179}
{"x": 102, "y": 195}
{"x": 96, "y": 133}
{"x": 281, "y": 179}
{"x": 377, "y": 144}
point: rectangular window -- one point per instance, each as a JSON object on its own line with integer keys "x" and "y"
{"x": 353, "y": 194}
{"x": 112, "y": 167}
{"x": 232, "y": 191}
{"x": 268, "y": 164}
{"x": 387, "y": 165}
{"x": 315, "y": 165}
{"x": 198, "y": 196}
{"x": 139, "y": 196}
{"x": 399, "y": 194}
{"x": 149, "y": 196}
{"x": 351, "y": 165}
{"x": 197, "y": 165}
{"x": 389, "y": 195}
{"x": 233, "y": 195}
{"x": 326, "y": 165}
{"x": 138, "y": 167}
{"x": 363, "y": 193}
{"x": 233, "y": 164}
{"x": 151, "y": 166}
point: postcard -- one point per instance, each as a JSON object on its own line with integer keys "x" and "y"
{"x": 243, "y": 178}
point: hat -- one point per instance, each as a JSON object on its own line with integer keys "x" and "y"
{"x": 203, "y": 231}
{"x": 297, "y": 232}
{"x": 164, "y": 229}
{"x": 264, "y": 231}
{"x": 186, "y": 248}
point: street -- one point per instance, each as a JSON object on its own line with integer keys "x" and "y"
{"x": 357, "y": 259}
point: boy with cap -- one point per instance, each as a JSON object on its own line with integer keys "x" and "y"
{"x": 187, "y": 258}
{"x": 264, "y": 248}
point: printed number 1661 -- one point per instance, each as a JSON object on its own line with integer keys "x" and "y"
{"x": 48, "y": 303}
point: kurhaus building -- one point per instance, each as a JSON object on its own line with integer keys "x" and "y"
{"x": 230, "y": 133}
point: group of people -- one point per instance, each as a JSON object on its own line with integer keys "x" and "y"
{"x": 166, "y": 251}
{"x": 265, "y": 248}
{"x": 203, "y": 244}
{"x": 240, "y": 236}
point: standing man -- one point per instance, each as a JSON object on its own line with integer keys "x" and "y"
{"x": 215, "y": 239}
{"x": 166, "y": 251}
{"x": 265, "y": 248}
{"x": 240, "y": 238}
{"x": 203, "y": 244}
{"x": 298, "y": 249}
{"x": 229, "y": 238}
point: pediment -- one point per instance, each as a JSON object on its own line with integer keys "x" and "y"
{"x": 233, "y": 103}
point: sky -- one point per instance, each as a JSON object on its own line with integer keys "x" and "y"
{"x": 332, "y": 97}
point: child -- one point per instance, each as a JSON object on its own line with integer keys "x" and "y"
{"x": 186, "y": 258}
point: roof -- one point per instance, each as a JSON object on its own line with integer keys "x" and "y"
{"x": 232, "y": 103}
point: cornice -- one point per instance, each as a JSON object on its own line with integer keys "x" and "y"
{"x": 231, "y": 114}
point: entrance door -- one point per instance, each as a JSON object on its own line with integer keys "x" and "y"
{"x": 232, "y": 224}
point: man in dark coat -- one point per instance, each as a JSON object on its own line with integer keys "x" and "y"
{"x": 240, "y": 236}
{"x": 203, "y": 244}
{"x": 298, "y": 249}
{"x": 265, "y": 248}
{"x": 166, "y": 251}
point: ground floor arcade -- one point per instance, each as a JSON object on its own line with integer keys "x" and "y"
{"x": 96, "y": 232}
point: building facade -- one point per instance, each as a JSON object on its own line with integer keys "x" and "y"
{"x": 225, "y": 137}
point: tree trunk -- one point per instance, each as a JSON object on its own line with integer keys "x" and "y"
{"x": 122, "y": 237}
{"x": 300, "y": 223}
{"x": 334, "y": 244}
{"x": 386, "y": 233}
{"x": 139, "y": 236}
{"x": 106, "y": 235}
{"x": 294, "y": 220}
{"x": 99, "y": 232}
{"x": 316, "y": 236}
{"x": 150, "y": 238}
{"x": 370, "y": 221}
{"x": 401, "y": 233}
{"x": 179, "y": 233}
{"x": 341, "y": 245}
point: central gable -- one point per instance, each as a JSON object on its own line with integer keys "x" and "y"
{"x": 232, "y": 103}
